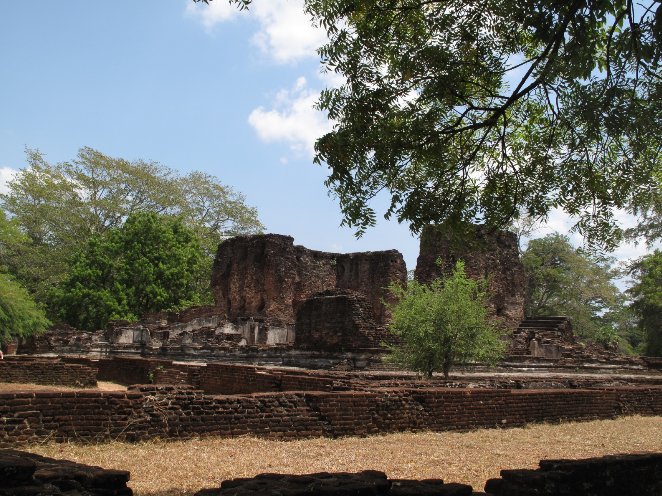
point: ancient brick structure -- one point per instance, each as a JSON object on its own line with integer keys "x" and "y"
{"x": 28, "y": 474}
{"x": 368, "y": 482}
{"x": 145, "y": 412}
{"x": 267, "y": 277}
{"x": 616, "y": 475}
{"x": 486, "y": 254}
{"x": 337, "y": 320}
{"x": 47, "y": 371}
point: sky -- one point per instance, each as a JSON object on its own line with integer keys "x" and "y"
{"x": 194, "y": 87}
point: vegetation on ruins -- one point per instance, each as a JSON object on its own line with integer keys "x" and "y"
{"x": 647, "y": 304}
{"x": 480, "y": 111}
{"x": 443, "y": 323}
{"x": 151, "y": 263}
{"x": 59, "y": 207}
{"x": 564, "y": 280}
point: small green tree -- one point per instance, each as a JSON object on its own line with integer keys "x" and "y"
{"x": 443, "y": 323}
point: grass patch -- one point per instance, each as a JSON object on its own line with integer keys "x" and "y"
{"x": 183, "y": 467}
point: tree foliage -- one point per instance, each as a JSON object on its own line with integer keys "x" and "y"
{"x": 443, "y": 324}
{"x": 477, "y": 111}
{"x": 19, "y": 314}
{"x": 60, "y": 206}
{"x": 647, "y": 304}
{"x": 564, "y": 280}
{"x": 151, "y": 263}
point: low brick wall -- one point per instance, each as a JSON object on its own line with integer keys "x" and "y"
{"x": 28, "y": 474}
{"x": 47, "y": 372}
{"x": 172, "y": 412}
{"x": 616, "y": 475}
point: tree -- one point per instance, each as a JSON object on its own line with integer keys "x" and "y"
{"x": 19, "y": 314}
{"x": 442, "y": 324}
{"x": 564, "y": 280}
{"x": 60, "y": 206}
{"x": 647, "y": 295}
{"x": 151, "y": 263}
{"x": 470, "y": 111}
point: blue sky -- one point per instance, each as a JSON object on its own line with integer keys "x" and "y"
{"x": 194, "y": 87}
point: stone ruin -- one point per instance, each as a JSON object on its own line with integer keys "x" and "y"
{"x": 277, "y": 302}
{"x": 289, "y": 290}
{"x": 493, "y": 255}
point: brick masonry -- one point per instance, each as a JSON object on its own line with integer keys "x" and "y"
{"x": 47, "y": 372}
{"x": 181, "y": 412}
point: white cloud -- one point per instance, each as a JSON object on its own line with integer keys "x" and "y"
{"x": 6, "y": 175}
{"x": 293, "y": 119}
{"x": 285, "y": 32}
{"x": 213, "y": 13}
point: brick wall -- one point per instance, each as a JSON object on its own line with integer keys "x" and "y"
{"x": 47, "y": 371}
{"x": 615, "y": 475}
{"x": 176, "y": 412}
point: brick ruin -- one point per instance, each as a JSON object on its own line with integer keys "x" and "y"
{"x": 493, "y": 255}
{"x": 267, "y": 278}
{"x": 280, "y": 303}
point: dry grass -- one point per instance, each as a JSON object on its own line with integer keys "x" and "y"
{"x": 11, "y": 387}
{"x": 183, "y": 467}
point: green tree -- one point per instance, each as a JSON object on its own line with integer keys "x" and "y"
{"x": 443, "y": 323}
{"x": 60, "y": 206}
{"x": 564, "y": 280}
{"x": 149, "y": 264}
{"x": 20, "y": 316}
{"x": 475, "y": 111}
{"x": 647, "y": 295}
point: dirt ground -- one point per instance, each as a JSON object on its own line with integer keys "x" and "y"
{"x": 183, "y": 467}
{"x": 10, "y": 387}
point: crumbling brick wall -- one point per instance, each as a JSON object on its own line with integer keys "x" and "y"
{"x": 337, "y": 320}
{"x": 47, "y": 371}
{"x": 268, "y": 277}
{"x": 493, "y": 255}
{"x": 171, "y": 412}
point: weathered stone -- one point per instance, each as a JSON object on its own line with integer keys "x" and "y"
{"x": 486, "y": 254}
{"x": 337, "y": 320}
{"x": 268, "y": 277}
{"x": 26, "y": 474}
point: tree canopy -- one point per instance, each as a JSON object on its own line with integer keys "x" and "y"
{"x": 149, "y": 264}
{"x": 20, "y": 316}
{"x": 481, "y": 111}
{"x": 59, "y": 207}
{"x": 443, "y": 323}
{"x": 647, "y": 296}
{"x": 564, "y": 280}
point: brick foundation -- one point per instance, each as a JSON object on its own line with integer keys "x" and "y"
{"x": 171, "y": 412}
{"x": 47, "y": 372}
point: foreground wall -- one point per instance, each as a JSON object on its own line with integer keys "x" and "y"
{"x": 171, "y": 412}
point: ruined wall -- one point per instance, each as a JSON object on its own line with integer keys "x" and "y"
{"x": 489, "y": 254}
{"x": 47, "y": 371}
{"x": 606, "y": 476}
{"x": 170, "y": 412}
{"x": 28, "y": 474}
{"x": 337, "y": 320}
{"x": 268, "y": 277}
